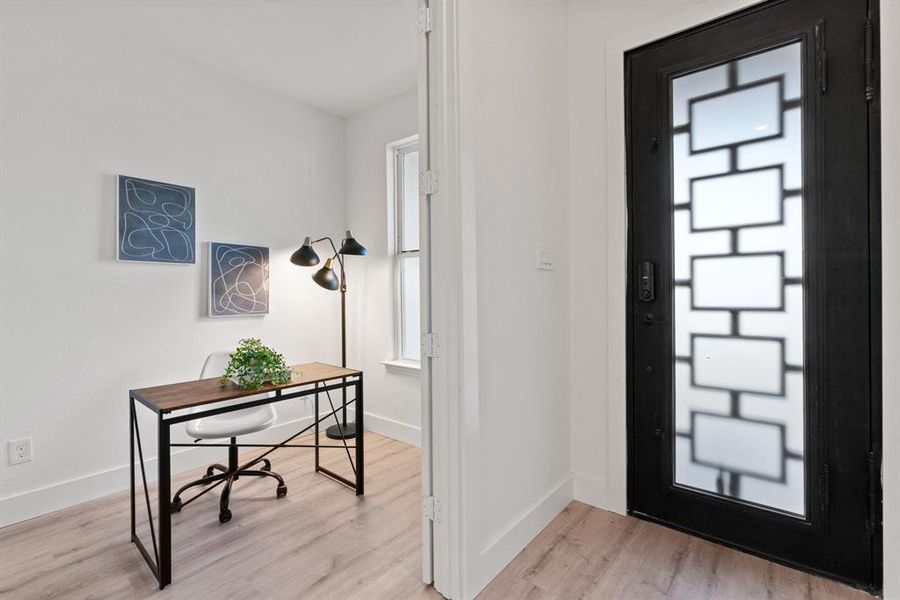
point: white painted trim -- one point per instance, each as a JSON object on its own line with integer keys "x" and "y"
{"x": 398, "y": 152}
{"x": 393, "y": 146}
{"x": 41, "y": 501}
{"x": 403, "y": 366}
{"x": 454, "y": 375}
{"x": 396, "y": 430}
{"x": 434, "y": 544}
{"x": 502, "y": 548}
{"x": 890, "y": 273}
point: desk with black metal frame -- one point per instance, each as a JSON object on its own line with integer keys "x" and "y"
{"x": 166, "y": 399}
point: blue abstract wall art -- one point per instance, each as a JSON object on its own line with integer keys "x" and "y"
{"x": 156, "y": 221}
{"x": 238, "y": 280}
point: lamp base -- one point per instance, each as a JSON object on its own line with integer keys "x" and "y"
{"x": 339, "y": 432}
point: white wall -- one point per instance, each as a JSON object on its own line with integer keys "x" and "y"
{"x": 77, "y": 107}
{"x": 513, "y": 131}
{"x": 393, "y": 395}
{"x": 599, "y": 471}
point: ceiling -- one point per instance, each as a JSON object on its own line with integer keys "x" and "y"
{"x": 340, "y": 56}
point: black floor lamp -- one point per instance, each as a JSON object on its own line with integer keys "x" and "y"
{"x": 326, "y": 277}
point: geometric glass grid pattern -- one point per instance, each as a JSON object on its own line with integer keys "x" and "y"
{"x": 739, "y": 282}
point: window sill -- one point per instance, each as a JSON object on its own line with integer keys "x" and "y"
{"x": 402, "y": 366}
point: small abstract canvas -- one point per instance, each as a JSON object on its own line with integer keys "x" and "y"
{"x": 155, "y": 221}
{"x": 238, "y": 280}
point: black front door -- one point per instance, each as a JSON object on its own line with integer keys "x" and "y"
{"x": 752, "y": 284}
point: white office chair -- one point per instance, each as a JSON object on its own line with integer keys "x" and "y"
{"x": 230, "y": 425}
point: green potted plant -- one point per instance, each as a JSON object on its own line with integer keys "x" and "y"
{"x": 251, "y": 365}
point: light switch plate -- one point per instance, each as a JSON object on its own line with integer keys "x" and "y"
{"x": 545, "y": 257}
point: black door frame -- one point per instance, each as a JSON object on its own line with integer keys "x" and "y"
{"x": 874, "y": 279}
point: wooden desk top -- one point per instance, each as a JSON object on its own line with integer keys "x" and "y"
{"x": 175, "y": 396}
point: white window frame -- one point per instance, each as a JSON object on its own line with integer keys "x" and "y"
{"x": 395, "y": 153}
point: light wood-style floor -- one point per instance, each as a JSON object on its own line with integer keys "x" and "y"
{"x": 590, "y": 553}
{"x": 321, "y": 542}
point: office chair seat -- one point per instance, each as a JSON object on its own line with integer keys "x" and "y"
{"x": 232, "y": 424}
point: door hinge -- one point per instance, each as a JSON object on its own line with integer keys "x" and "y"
{"x": 423, "y": 21}
{"x": 824, "y": 487}
{"x": 870, "y": 60}
{"x": 821, "y": 58}
{"x": 430, "y": 345}
{"x": 431, "y": 509}
{"x": 428, "y": 182}
{"x": 874, "y": 486}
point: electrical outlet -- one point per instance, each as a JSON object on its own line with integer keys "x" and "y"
{"x": 20, "y": 451}
{"x": 545, "y": 257}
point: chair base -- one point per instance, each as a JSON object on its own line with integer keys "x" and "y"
{"x": 230, "y": 474}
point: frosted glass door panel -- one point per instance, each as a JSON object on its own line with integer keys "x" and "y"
{"x": 751, "y": 198}
{"x": 736, "y": 116}
{"x": 738, "y": 280}
{"x": 734, "y": 282}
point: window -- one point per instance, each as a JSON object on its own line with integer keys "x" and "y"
{"x": 406, "y": 213}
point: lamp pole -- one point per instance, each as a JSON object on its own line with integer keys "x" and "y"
{"x": 325, "y": 277}
{"x": 343, "y": 432}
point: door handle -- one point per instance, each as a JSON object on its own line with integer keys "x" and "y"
{"x": 646, "y": 282}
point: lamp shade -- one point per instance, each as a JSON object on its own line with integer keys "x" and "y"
{"x": 351, "y": 246}
{"x": 305, "y": 256}
{"x": 326, "y": 277}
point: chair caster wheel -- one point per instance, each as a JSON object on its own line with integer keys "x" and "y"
{"x": 224, "y": 516}
{"x": 281, "y": 491}
{"x": 266, "y": 467}
{"x": 176, "y": 505}
{"x": 210, "y": 472}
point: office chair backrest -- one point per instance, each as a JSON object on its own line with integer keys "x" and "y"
{"x": 215, "y": 365}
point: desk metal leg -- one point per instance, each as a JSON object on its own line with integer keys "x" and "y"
{"x": 131, "y": 418}
{"x": 360, "y": 461}
{"x": 135, "y": 441}
{"x": 316, "y": 421}
{"x": 165, "y": 511}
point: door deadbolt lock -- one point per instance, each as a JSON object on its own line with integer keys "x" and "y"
{"x": 646, "y": 283}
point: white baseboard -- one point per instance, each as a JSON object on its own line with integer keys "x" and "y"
{"x": 41, "y": 501}
{"x": 402, "y": 432}
{"x": 502, "y": 548}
